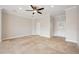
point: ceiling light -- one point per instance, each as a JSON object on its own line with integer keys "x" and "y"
{"x": 20, "y": 8}
{"x": 34, "y": 11}
{"x": 52, "y": 6}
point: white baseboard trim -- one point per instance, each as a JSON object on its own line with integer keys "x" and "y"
{"x": 74, "y": 41}
{"x": 23, "y": 36}
{"x": 45, "y": 36}
{"x": 14, "y": 37}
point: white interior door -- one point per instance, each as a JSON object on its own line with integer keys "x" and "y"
{"x": 38, "y": 28}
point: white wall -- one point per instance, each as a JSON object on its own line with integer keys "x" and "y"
{"x": 0, "y": 25}
{"x": 38, "y": 28}
{"x": 51, "y": 26}
{"x": 15, "y": 26}
{"x": 71, "y": 24}
{"x": 59, "y": 25}
{"x": 78, "y": 24}
{"x": 33, "y": 26}
{"x": 41, "y": 25}
{"x": 44, "y": 25}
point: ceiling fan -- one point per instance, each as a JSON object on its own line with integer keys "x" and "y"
{"x": 35, "y": 9}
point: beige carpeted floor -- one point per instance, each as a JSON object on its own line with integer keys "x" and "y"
{"x": 37, "y": 45}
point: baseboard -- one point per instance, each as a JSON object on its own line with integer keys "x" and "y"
{"x": 14, "y": 37}
{"x": 59, "y": 37}
{"x": 45, "y": 36}
{"x": 24, "y": 36}
{"x": 71, "y": 41}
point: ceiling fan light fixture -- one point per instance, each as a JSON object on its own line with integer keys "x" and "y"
{"x": 52, "y": 6}
{"x": 20, "y": 8}
{"x": 34, "y": 11}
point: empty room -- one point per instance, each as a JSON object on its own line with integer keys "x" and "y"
{"x": 39, "y": 29}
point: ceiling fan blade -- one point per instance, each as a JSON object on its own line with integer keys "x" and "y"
{"x": 33, "y": 13}
{"x": 31, "y": 6}
{"x": 41, "y": 9}
{"x": 39, "y": 12}
{"x": 28, "y": 10}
